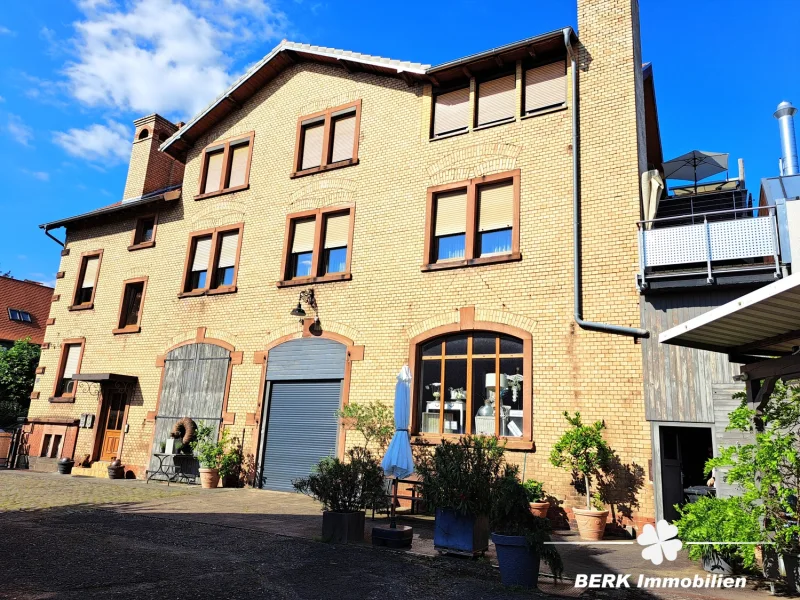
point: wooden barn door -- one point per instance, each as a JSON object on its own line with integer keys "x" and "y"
{"x": 194, "y": 386}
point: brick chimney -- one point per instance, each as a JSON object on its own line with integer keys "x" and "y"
{"x": 150, "y": 169}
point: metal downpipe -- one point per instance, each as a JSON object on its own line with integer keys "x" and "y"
{"x": 634, "y": 332}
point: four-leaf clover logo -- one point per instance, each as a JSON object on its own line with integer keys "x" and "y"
{"x": 659, "y": 542}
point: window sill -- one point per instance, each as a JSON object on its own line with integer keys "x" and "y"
{"x": 449, "y": 135}
{"x": 238, "y": 188}
{"x": 128, "y": 329}
{"x": 510, "y": 443}
{"x": 545, "y": 111}
{"x": 337, "y": 165}
{"x": 81, "y": 306}
{"x": 494, "y": 124}
{"x": 216, "y": 291}
{"x": 474, "y": 262}
{"x": 61, "y": 399}
{"x": 142, "y": 245}
{"x": 309, "y": 280}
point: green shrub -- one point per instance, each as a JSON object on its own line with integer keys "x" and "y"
{"x": 460, "y": 475}
{"x": 207, "y": 448}
{"x": 348, "y": 485}
{"x": 17, "y": 376}
{"x": 712, "y": 519}
{"x": 535, "y": 490}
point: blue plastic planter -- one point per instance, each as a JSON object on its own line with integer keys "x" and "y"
{"x": 458, "y": 534}
{"x": 518, "y": 564}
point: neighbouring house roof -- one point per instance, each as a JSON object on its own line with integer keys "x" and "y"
{"x": 163, "y": 195}
{"x": 29, "y": 296}
{"x": 765, "y": 322}
{"x": 288, "y": 53}
{"x": 785, "y": 187}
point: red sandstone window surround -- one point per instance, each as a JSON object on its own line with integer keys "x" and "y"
{"x": 317, "y": 246}
{"x": 212, "y": 261}
{"x": 144, "y": 232}
{"x": 86, "y": 282}
{"x": 473, "y": 222}
{"x": 69, "y": 364}
{"x": 327, "y": 139}
{"x": 225, "y": 166}
{"x": 131, "y": 306}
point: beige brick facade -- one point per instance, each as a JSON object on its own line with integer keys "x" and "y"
{"x": 389, "y": 299}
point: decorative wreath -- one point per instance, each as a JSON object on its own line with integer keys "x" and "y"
{"x": 186, "y": 429}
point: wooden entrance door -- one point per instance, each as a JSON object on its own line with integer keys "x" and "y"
{"x": 114, "y": 417}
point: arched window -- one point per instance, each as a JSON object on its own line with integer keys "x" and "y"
{"x": 472, "y": 383}
{"x": 144, "y": 133}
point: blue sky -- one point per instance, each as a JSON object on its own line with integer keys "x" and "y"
{"x": 74, "y": 75}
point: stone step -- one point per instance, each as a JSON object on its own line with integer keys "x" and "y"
{"x": 98, "y": 469}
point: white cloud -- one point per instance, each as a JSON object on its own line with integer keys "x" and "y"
{"x": 2, "y": 99}
{"x": 40, "y": 175}
{"x": 6, "y": 31}
{"x": 18, "y": 130}
{"x": 166, "y": 56}
{"x": 110, "y": 142}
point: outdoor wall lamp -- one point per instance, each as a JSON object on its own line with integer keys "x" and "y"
{"x": 306, "y": 297}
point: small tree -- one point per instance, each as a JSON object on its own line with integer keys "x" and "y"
{"x": 17, "y": 376}
{"x": 207, "y": 448}
{"x": 582, "y": 450}
{"x": 374, "y": 421}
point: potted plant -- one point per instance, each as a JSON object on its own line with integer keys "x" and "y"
{"x": 536, "y": 498}
{"x": 65, "y": 466}
{"x": 209, "y": 452}
{"x": 712, "y": 519}
{"x": 456, "y": 481}
{"x": 519, "y": 537}
{"x": 458, "y": 394}
{"x": 583, "y": 451}
{"x": 230, "y": 465}
{"x": 345, "y": 488}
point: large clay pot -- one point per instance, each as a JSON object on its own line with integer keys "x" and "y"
{"x": 591, "y": 523}
{"x": 209, "y": 478}
{"x": 539, "y": 509}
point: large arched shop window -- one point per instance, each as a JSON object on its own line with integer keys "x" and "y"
{"x": 478, "y": 375}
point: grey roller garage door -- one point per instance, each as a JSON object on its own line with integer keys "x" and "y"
{"x": 301, "y": 429}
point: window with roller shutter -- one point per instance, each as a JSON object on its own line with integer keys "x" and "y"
{"x": 69, "y": 365}
{"x": 451, "y": 112}
{"x": 318, "y": 246}
{"x": 496, "y": 100}
{"x": 327, "y": 139}
{"x": 86, "y": 284}
{"x": 473, "y": 222}
{"x": 226, "y": 166}
{"x": 213, "y": 261}
{"x": 545, "y": 87}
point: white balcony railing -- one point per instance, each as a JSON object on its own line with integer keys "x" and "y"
{"x": 714, "y": 237}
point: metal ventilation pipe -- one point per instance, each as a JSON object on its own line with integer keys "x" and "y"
{"x": 785, "y": 116}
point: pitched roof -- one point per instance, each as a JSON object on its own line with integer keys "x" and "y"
{"x": 29, "y": 296}
{"x": 288, "y": 53}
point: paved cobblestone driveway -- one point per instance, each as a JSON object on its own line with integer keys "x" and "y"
{"x": 67, "y": 537}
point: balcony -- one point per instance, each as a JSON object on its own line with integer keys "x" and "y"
{"x": 687, "y": 245}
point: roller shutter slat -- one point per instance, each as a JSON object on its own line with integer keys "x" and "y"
{"x": 227, "y": 250}
{"x": 337, "y": 231}
{"x": 451, "y": 112}
{"x": 545, "y": 86}
{"x": 496, "y": 99}
{"x": 344, "y": 130}
{"x": 213, "y": 172}
{"x": 239, "y": 156}
{"x": 451, "y": 213}
{"x": 202, "y": 252}
{"x": 90, "y": 272}
{"x": 303, "y": 239}
{"x": 496, "y": 206}
{"x": 312, "y": 145}
{"x": 71, "y": 363}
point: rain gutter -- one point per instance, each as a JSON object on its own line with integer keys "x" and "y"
{"x": 634, "y": 332}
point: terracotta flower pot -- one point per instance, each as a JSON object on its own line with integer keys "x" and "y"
{"x": 539, "y": 509}
{"x": 209, "y": 478}
{"x": 591, "y": 523}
